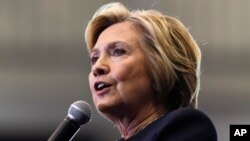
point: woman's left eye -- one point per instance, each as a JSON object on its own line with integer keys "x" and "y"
{"x": 118, "y": 52}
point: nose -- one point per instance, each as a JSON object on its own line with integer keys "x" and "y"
{"x": 100, "y": 68}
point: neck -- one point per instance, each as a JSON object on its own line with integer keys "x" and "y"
{"x": 129, "y": 127}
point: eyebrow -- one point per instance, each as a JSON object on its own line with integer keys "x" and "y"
{"x": 93, "y": 50}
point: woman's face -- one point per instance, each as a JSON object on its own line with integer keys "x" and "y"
{"x": 118, "y": 80}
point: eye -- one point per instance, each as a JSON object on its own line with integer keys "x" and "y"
{"x": 94, "y": 59}
{"x": 118, "y": 52}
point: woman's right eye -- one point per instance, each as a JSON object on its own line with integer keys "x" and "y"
{"x": 94, "y": 59}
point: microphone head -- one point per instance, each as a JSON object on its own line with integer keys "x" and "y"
{"x": 80, "y": 112}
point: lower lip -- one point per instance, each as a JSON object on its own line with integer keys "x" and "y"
{"x": 103, "y": 91}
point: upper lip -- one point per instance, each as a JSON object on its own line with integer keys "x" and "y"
{"x": 100, "y": 85}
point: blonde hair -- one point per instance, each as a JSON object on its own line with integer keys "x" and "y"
{"x": 172, "y": 54}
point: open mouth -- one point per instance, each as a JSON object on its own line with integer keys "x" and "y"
{"x": 101, "y": 85}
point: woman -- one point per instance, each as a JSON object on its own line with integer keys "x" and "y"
{"x": 145, "y": 75}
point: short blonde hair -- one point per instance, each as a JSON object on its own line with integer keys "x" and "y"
{"x": 173, "y": 56}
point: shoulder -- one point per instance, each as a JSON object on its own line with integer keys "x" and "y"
{"x": 189, "y": 115}
{"x": 184, "y": 124}
{"x": 187, "y": 124}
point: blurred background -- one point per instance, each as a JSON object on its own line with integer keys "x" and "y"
{"x": 44, "y": 64}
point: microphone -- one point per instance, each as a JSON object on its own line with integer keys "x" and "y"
{"x": 79, "y": 113}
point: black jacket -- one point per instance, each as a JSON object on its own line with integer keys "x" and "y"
{"x": 184, "y": 124}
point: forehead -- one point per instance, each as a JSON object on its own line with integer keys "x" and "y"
{"x": 124, "y": 32}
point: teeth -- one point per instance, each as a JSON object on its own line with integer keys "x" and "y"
{"x": 100, "y": 85}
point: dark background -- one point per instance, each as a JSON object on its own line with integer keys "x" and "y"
{"x": 44, "y": 65}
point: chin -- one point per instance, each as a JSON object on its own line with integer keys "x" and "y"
{"x": 108, "y": 109}
{"x": 102, "y": 107}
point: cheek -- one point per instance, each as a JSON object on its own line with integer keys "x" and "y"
{"x": 131, "y": 74}
{"x": 124, "y": 69}
{"x": 120, "y": 73}
{"x": 91, "y": 82}
{"x": 91, "y": 86}
{"x": 134, "y": 85}
{"x": 130, "y": 69}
